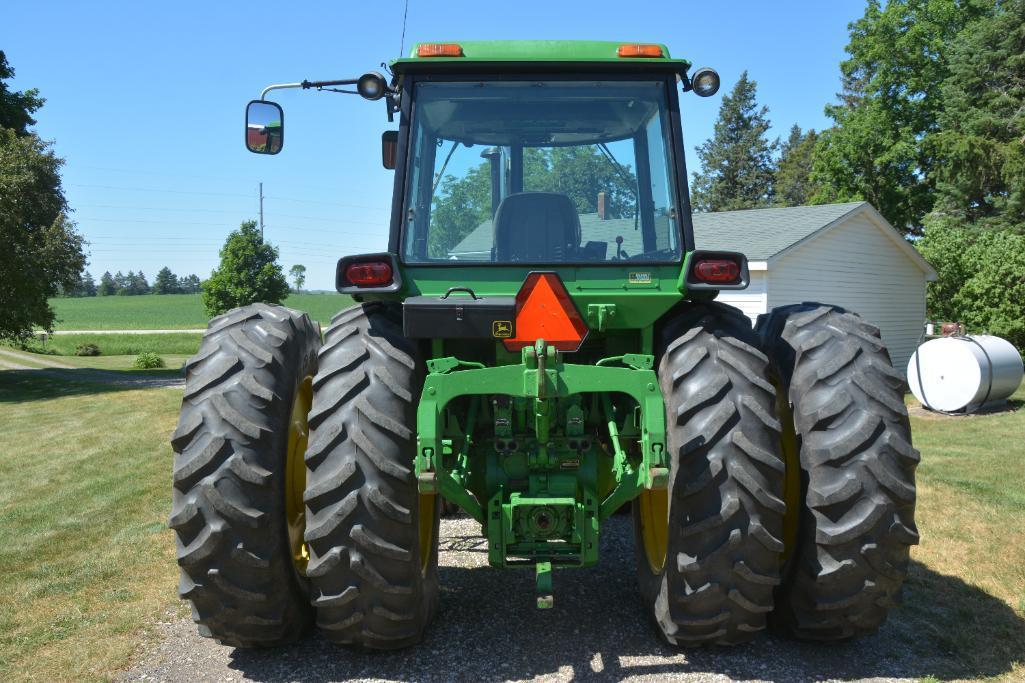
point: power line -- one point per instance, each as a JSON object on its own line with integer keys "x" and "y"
{"x": 319, "y": 219}
{"x": 155, "y": 208}
{"x": 166, "y": 191}
{"x": 227, "y": 226}
{"x": 316, "y": 201}
{"x": 228, "y": 194}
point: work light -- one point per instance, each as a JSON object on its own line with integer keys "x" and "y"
{"x": 705, "y": 82}
{"x": 372, "y": 86}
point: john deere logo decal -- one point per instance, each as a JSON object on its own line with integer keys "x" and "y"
{"x": 500, "y": 329}
{"x": 640, "y": 278}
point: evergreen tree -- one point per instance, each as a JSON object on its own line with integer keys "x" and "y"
{"x": 736, "y": 164}
{"x": 189, "y": 284}
{"x": 793, "y": 185}
{"x": 139, "y": 284}
{"x": 107, "y": 284}
{"x": 166, "y": 282}
{"x": 124, "y": 282}
{"x": 87, "y": 286}
{"x": 980, "y": 147}
{"x": 248, "y": 272}
{"x": 890, "y": 101}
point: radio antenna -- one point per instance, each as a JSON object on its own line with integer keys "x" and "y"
{"x": 402, "y": 44}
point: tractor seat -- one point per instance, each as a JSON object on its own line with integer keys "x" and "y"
{"x": 536, "y": 226}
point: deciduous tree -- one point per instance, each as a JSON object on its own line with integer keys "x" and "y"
{"x": 890, "y": 100}
{"x": 298, "y": 273}
{"x": 981, "y": 278}
{"x": 248, "y": 272}
{"x": 41, "y": 252}
{"x": 16, "y": 108}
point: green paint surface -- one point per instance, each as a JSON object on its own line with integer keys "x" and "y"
{"x": 540, "y": 51}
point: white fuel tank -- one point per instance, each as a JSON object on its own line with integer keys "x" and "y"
{"x": 963, "y": 373}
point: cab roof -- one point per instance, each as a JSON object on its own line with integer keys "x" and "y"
{"x": 537, "y": 52}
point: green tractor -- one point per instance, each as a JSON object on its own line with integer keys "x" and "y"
{"x": 540, "y": 347}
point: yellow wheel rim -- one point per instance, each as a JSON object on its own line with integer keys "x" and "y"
{"x": 295, "y": 474}
{"x": 428, "y": 507}
{"x": 654, "y": 514}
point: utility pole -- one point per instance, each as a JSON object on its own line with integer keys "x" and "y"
{"x": 261, "y": 212}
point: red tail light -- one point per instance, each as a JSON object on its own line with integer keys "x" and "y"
{"x": 721, "y": 271}
{"x": 369, "y": 274}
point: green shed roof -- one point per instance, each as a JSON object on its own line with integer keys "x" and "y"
{"x": 763, "y": 233}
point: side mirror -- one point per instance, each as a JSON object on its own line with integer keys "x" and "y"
{"x": 389, "y": 148}
{"x": 265, "y": 127}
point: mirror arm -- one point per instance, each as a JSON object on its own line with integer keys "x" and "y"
{"x": 306, "y": 85}
{"x": 279, "y": 86}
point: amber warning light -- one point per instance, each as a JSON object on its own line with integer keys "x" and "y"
{"x": 545, "y": 310}
{"x": 649, "y": 51}
{"x": 439, "y": 50}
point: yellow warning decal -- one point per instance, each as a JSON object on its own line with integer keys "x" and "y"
{"x": 640, "y": 278}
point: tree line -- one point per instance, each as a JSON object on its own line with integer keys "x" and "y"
{"x": 929, "y": 127}
{"x": 166, "y": 282}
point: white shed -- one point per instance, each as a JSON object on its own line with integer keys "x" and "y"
{"x": 843, "y": 254}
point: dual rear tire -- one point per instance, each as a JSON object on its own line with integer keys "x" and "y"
{"x": 720, "y": 555}
{"x": 794, "y": 510}
{"x": 365, "y": 570}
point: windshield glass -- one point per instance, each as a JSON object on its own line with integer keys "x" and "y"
{"x": 540, "y": 172}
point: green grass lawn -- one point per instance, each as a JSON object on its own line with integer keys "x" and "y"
{"x": 86, "y": 560}
{"x": 971, "y": 517}
{"x": 87, "y": 565}
{"x": 168, "y": 311}
{"x": 116, "y": 344}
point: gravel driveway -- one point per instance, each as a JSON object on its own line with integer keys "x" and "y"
{"x": 489, "y": 630}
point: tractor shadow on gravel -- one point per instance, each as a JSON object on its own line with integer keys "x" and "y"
{"x": 489, "y": 630}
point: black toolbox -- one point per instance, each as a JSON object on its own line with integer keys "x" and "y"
{"x": 459, "y": 314}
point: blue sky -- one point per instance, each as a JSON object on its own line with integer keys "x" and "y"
{"x": 145, "y": 102}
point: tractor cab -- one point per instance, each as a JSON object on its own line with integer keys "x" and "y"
{"x": 541, "y": 172}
